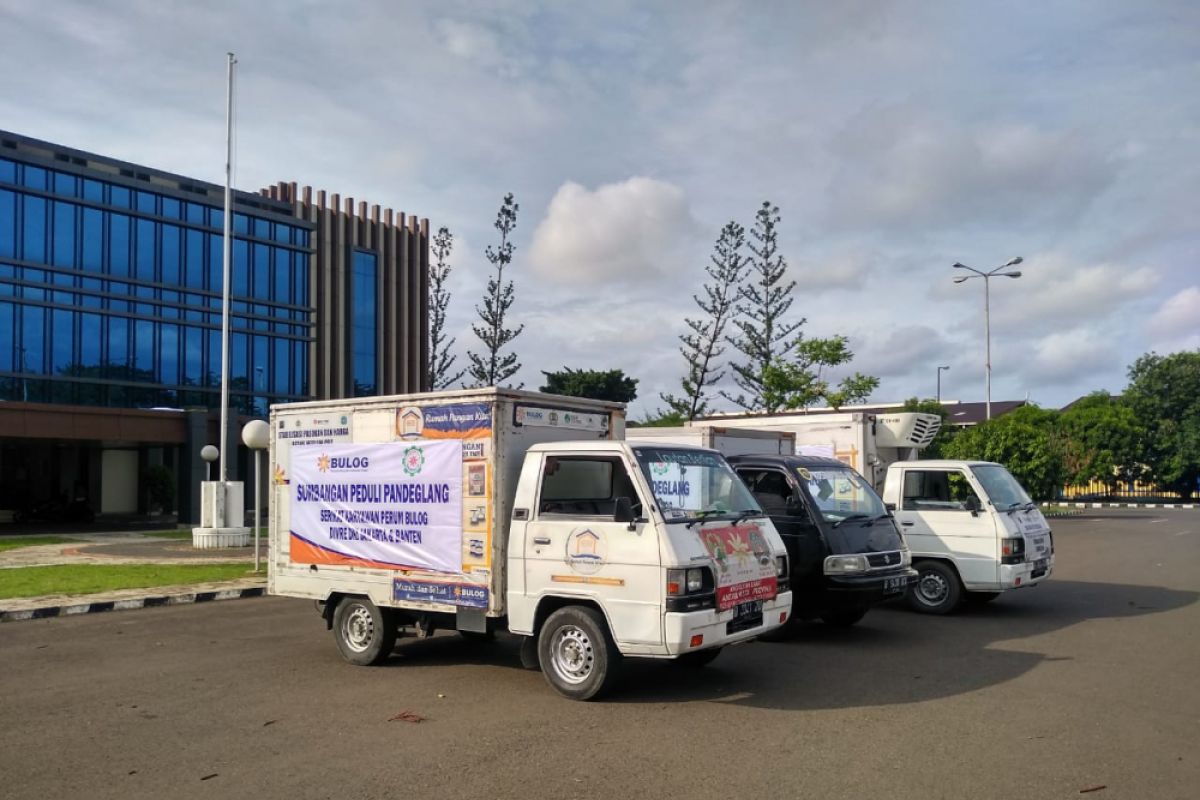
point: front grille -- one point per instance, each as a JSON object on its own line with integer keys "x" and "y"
{"x": 884, "y": 560}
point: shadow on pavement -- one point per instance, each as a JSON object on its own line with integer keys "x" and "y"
{"x": 893, "y": 656}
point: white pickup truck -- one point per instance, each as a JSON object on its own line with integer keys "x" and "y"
{"x": 972, "y": 530}
{"x": 491, "y": 509}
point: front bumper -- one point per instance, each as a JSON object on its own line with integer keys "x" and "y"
{"x": 1016, "y": 576}
{"x": 712, "y": 625}
{"x": 867, "y": 590}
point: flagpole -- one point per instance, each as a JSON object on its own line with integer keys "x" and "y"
{"x": 228, "y": 259}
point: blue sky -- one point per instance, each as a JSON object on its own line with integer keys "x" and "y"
{"x": 896, "y": 138}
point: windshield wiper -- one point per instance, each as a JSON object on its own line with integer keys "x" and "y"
{"x": 853, "y": 516}
{"x": 703, "y": 515}
{"x": 747, "y": 514}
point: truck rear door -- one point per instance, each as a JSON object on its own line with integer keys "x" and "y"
{"x": 573, "y": 546}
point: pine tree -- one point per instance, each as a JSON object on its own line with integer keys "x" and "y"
{"x": 491, "y": 368}
{"x": 764, "y": 336}
{"x": 703, "y": 345}
{"x": 441, "y": 360}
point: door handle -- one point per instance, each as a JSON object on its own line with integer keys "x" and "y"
{"x": 541, "y": 540}
{"x": 906, "y": 524}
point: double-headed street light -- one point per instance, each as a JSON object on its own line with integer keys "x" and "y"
{"x": 987, "y": 316}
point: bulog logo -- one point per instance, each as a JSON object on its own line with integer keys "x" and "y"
{"x": 326, "y": 463}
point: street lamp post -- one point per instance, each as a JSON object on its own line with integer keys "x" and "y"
{"x": 987, "y": 314}
{"x": 939, "y": 384}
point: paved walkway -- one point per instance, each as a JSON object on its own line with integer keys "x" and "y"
{"x": 125, "y": 548}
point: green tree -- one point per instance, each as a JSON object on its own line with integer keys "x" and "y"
{"x": 660, "y": 418}
{"x": 441, "y": 360}
{"x": 945, "y": 433}
{"x": 764, "y": 336}
{"x": 490, "y": 368}
{"x": 1026, "y": 441}
{"x": 1164, "y": 393}
{"x": 702, "y": 346}
{"x": 1104, "y": 441}
{"x": 597, "y": 384}
{"x": 802, "y": 381}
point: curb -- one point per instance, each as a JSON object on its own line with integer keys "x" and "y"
{"x": 150, "y": 601}
{"x": 1123, "y": 505}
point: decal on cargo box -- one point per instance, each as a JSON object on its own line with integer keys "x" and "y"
{"x": 534, "y": 416}
{"x": 745, "y": 567}
{"x": 457, "y": 594}
{"x": 451, "y": 421}
{"x": 392, "y": 504}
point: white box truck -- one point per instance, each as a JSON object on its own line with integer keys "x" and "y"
{"x": 481, "y": 510}
{"x": 867, "y": 442}
{"x": 729, "y": 441}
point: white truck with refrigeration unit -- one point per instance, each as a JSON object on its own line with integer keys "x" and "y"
{"x": 495, "y": 509}
{"x": 729, "y": 441}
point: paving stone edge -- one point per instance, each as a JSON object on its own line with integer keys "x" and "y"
{"x": 149, "y": 601}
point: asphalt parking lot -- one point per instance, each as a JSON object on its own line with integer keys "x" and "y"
{"x": 1086, "y": 681}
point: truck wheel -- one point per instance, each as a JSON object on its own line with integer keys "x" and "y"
{"x": 699, "y": 658}
{"x": 982, "y": 597}
{"x": 937, "y": 590}
{"x": 529, "y": 653}
{"x": 365, "y": 633}
{"x": 843, "y": 617}
{"x": 576, "y": 653}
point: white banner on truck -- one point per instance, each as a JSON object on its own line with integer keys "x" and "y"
{"x": 389, "y": 505}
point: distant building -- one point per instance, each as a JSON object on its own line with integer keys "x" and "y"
{"x": 110, "y": 319}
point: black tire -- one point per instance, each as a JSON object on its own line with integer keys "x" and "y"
{"x": 982, "y": 597}
{"x": 699, "y": 658}
{"x": 576, "y": 653}
{"x": 937, "y": 590}
{"x": 843, "y": 617}
{"x": 365, "y": 634}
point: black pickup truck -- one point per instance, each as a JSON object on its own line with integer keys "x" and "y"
{"x": 845, "y": 551}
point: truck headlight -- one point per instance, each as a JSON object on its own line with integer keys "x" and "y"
{"x": 781, "y": 566}
{"x": 841, "y": 565}
{"x": 905, "y": 557}
{"x": 695, "y": 580}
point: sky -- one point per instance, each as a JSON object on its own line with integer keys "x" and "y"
{"x": 896, "y": 139}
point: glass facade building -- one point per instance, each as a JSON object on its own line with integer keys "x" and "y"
{"x": 110, "y": 292}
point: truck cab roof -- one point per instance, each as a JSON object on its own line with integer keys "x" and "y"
{"x": 809, "y": 462}
{"x": 944, "y": 463}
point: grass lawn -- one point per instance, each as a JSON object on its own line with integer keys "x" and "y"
{"x": 89, "y": 578}
{"x": 33, "y": 541}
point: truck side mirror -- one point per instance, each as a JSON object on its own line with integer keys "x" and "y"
{"x": 623, "y": 511}
{"x": 972, "y": 504}
{"x": 891, "y": 507}
{"x": 793, "y": 506}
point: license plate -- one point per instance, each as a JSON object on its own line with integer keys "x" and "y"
{"x": 1041, "y": 564}
{"x": 894, "y": 585}
{"x": 745, "y": 616}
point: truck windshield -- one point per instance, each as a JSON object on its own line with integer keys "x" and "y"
{"x": 841, "y": 494}
{"x": 694, "y": 484}
{"x": 1001, "y": 487}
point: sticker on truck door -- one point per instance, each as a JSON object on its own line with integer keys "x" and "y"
{"x": 744, "y": 565}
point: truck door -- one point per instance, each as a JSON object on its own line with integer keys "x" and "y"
{"x": 936, "y": 520}
{"x": 782, "y": 502}
{"x": 573, "y": 546}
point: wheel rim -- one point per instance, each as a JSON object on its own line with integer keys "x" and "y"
{"x": 932, "y": 588}
{"x": 571, "y": 654}
{"x": 358, "y": 629}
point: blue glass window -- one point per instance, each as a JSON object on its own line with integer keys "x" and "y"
{"x": 241, "y": 224}
{"x": 89, "y": 340}
{"x": 281, "y": 364}
{"x": 145, "y": 249}
{"x": 65, "y": 184}
{"x": 8, "y": 224}
{"x": 35, "y": 177}
{"x": 33, "y": 240}
{"x": 195, "y": 214}
{"x": 238, "y": 347}
{"x": 119, "y": 196}
{"x": 171, "y": 208}
{"x": 215, "y": 258}
{"x": 93, "y": 190}
{"x": 93, "y": 239}
{"x": 64, "y": 234}
{"x": 118, "y": 244}
{"x": 30, "y": 351}
{"x": 282, "y": 266}
{"x": 262, "y": 372}
{"x": 169, "y": 372}
{"x": 212, "y": 358}
{"x": 117, "y": 357}
{"x": 193, "y": 356}
{"x": 363, "y": 326}
{"x": 194, "y": 259}
{"x": 145, "y": 202}
{"x": 241, "y": 268}
{"x": 62, "y": 338}
{"x": 262, "y": 228}
{"x": 8, "y": 171}
{"x": 7, "y": 339}
{"x": 299, "y": 279}
{"x": 170, "y": 255}
{"x": 143, "y": 348}
{"x": 262, "y": 271}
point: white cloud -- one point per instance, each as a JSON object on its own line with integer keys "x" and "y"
{"x": 844, "y": 270}
{"x": 619, "y": 232}
{"x": 1066, "y": 356}
{"x": 899, "y": 351}
{"x": 1179, "y": 315}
